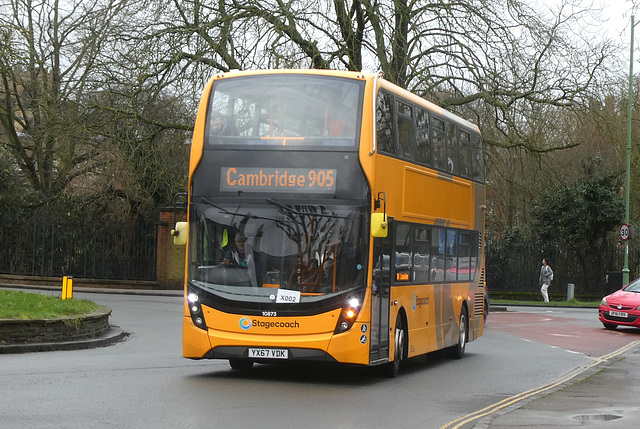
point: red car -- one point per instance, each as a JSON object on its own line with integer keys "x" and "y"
{"x": 622, "y": 308}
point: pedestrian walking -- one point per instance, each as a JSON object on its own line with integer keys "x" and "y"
{"x": 546, "y": 275}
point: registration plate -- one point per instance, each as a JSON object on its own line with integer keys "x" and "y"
{"x": 269, "y": 353}
{"x": 618, "y": 314}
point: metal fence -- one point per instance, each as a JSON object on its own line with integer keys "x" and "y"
{"x": 517, "y": 269}
{"x": 51, "y": 246}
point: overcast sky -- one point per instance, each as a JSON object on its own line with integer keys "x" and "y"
{"x": 617, "y": 13}
{"x": 615, "y": 17}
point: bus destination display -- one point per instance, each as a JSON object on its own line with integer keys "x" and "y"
{"x": 256, "y": 179}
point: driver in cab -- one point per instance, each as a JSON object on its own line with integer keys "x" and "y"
{"x": 236, "y": 255}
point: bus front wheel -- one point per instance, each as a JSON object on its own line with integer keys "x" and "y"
{"x": 393, "y": 368}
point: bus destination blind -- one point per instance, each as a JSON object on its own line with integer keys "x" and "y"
{"x": 300, "y": 180}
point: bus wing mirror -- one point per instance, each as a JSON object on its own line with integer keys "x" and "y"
{"x": 379, "y": 225}
{"x": 180, "y": 233}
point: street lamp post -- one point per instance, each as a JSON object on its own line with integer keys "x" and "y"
{"x": 625, "y": 268}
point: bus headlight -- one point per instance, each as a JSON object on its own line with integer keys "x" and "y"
{"x": 195, "y": 310}
{"x": 194, "y": 303}
{"x": 353, "y": 302}
{"x": 348, "y": 316}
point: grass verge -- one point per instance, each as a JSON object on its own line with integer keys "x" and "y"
{"x": 25, "y": 305}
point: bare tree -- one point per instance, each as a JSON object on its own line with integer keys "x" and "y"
{"x": 147, "y": 160}
{"x": 48, "y": 51}
{"x": 522, "y": 74}
{"x": 491, "y": 60}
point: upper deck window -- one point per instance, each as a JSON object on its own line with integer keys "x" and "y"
{"x": 285, "y": 110}
{"x": 438, "y": 140}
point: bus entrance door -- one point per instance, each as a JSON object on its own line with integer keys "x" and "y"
{"x": 380, "y": 288}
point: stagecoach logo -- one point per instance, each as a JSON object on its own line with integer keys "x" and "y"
{"x": 245, "y": 323}
{"x": 417, "y": 301}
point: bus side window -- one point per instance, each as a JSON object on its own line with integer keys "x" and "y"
{"x": 381, "y": 267}
{"x": 477, "y": 159}
{"x": 423, "y": 154}
{"x": 452, "y": 256}
{"x": 406, "y": 135}
{"x": 421, "y": 252}
{"x": 438, "y": 243}
{"x": 452, "y": 149}
{"x": 473, "y": 256}
{"x": 464, "y": 255}
{"x": 384, "y": 118}
{"x": 439, "y": 149}
{"x": 465, "y": 153}
{"x": 403, "y": 254}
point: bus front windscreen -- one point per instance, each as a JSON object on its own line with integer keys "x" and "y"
{"x": 290, "y": 109}
{"x": 247, "y": 252}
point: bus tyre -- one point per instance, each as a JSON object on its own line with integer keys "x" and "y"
{"x": 240, "y": 364}
{"x": 457, "y": 351}
{"x": 393, "y": 368}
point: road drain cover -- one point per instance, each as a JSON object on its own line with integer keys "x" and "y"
{"x": 597, "y": 417}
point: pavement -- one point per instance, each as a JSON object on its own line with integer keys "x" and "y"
{"x": 603, "y": 393}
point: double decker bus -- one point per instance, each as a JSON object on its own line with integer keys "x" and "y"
{"x": 332, "y": 216}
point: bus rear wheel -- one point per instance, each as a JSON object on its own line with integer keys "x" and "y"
{"x": 457, "y": 351}
{"x": 240, "y": 364}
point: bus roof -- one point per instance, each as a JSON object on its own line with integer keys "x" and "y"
{"x": 363, "y": 75}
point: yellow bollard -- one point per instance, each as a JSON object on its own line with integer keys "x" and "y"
{"x": 64, "y": 287}
{"x": 67, "y": 287}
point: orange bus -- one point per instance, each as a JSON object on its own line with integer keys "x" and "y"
{"x": 332, "y": 216}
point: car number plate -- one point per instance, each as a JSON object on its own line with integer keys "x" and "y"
{"x": 618, "y": 314}
{"x": 269, "y": 353}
